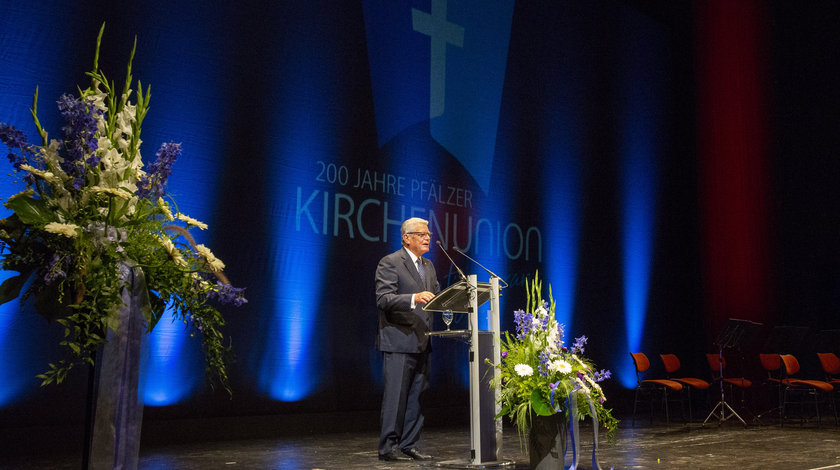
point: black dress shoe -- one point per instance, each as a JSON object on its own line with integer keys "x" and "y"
{"x": 392, "y": 456}
{"x": 416, "y": 455}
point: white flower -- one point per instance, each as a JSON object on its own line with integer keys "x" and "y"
{"x": 200, "y": 281}
{"x": 125, "y": 119}
{"x": 68, "y": 230}
{"x": 98, "y": 100}
{"x": 215, "y": 264}
{"x": 51, "y": 156}
{"x": 47, "y": 176}
{"x": 120, "y": 193}
{"x": 553, "y": 340}
{"x": 523, "y": 370}
{"x": 164, "y": 207}
{"x": 584, "y": 388}
{"x": 560, "y": 366}
{"x": 190, "y": 221}
{"x": 173, "y": 251}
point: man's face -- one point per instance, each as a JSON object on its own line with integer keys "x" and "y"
{"x": 417, "y": 241}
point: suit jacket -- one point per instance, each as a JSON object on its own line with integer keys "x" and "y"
{"x": 402, "y": 329}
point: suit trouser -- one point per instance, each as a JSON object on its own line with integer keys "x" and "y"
{"x": 405, "y": 377}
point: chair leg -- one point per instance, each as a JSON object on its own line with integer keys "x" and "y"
{"x": 783, "y": 411}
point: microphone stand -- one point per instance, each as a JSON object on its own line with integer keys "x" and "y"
{"x": 467, "y": 286}
{"x": 480, "y": 265}
{"x": 461, "y": 273}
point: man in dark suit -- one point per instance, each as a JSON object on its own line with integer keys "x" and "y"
{"x": 405, "y": 281}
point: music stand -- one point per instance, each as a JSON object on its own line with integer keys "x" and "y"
{"x": 734, "y": 334}
{"x": 785, "y": 339}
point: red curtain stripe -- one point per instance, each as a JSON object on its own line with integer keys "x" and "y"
{"x": 732, "y": 138}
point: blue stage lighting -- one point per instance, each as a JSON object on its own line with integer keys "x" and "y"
{"x": 17, "y": 371}
{"x": 561, "y": 218}
{"x": 641, "y": 83}
{"x": 182, "y": 114}
{"x": 45, "y": 63}
{"x": 171, "y": 367}
{"x": 289, "y": 363}
{"x": 306, "y": 131}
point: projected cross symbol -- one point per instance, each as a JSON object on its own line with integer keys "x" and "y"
{"x": 441, "y": 32}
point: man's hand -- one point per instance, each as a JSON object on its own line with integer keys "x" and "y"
{"x": 423, "y": 297}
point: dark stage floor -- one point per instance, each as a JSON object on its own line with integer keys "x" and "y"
{"x": 677, "y": 446}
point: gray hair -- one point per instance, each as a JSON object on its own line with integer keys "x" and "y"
{"x": 410, "y": 225}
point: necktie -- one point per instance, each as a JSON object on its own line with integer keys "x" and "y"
{"x": 420, "y": 269}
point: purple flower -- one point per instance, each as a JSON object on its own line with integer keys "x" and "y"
{"x": 19, "y": 149}
{"x": 504, "y": 354}
{"x": 524, "y": 322}
{"x": 560, "y": 333}
{"x": 227, "y": 294}
{"x": 577, "y": 348}
{"x": 12, "y": 137}
{"x": 80, "y": 121}
{"x": 544, "y": 322}
{"x": 553, "y": 391}
{"x": 151, "y": 185}
{"x": 601, "y": 375}
{"x": 53, "y": 272}
{"x": 543, "y": 367}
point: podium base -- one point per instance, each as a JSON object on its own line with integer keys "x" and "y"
{"x": 464, "y": 463}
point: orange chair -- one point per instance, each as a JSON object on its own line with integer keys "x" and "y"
{"x": 672, "y": 365}
{"x": 831, "y": 367}
{"x": 772, "y": 364}
{"x": 803, "y": 388}
{"x": 651, "y": 386}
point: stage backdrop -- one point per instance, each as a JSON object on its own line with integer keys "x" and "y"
{"x": 580, "y": 139}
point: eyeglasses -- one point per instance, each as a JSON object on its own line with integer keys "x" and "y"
{"x": 421, "y": 234}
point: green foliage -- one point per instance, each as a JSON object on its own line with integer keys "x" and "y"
{"x": 538, "y": 373}
{"x": 74, "y": 228}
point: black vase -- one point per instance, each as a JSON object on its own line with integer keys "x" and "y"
{"x": 547, "y": 442}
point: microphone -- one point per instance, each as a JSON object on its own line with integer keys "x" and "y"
{"x": 463, "y": 277}
{"x": 481, "y": 265}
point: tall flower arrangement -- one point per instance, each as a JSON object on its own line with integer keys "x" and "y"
{"x": 87, "y": 208}
{"x": 538, "y": 372}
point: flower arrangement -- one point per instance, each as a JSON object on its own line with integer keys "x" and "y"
{"x": 537, "y": 372}
{"x": 89, "y": 208}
